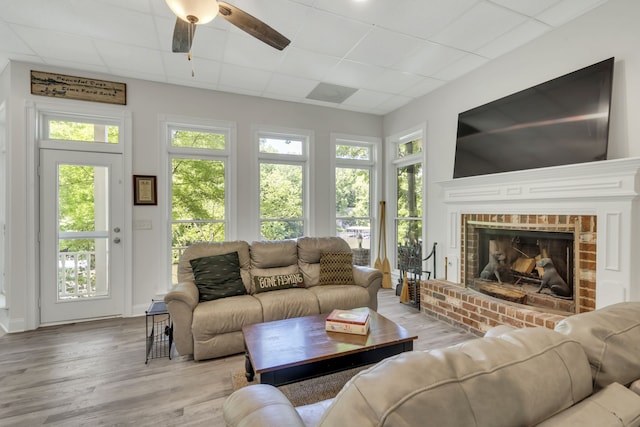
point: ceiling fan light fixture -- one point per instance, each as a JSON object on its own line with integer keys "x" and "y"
{"x": 203, "y": 10}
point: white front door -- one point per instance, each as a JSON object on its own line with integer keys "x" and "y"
{"x": 81, "y": 217}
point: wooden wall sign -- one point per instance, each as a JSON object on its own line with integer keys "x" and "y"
{"x": 84, "y": 89}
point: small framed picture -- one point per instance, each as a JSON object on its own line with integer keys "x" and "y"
{"x": 145, "y": 191}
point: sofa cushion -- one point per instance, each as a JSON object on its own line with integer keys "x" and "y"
{"x": 287, "y": 303}
{"x": 336, "y": 268}
{"x": 309, "y": 251}
{"x": 612, "y": 406}
{"x": 610, "y": 337}
{"x": 202, "y": 249}
{"x": 218, "y": 276}
{"x": 340, "y": 296}
{"x": 515, "y": 379}
{"x": 225, "y": 315}
{"x": 277, "y": 282}
{"x": 271, "y": 254}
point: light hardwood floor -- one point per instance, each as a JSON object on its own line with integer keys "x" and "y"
{"x": 93, "y": 373}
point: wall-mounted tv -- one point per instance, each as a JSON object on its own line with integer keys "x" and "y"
{"x": 562, "y": 121}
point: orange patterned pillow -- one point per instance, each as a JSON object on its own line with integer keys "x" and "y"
{"x": 336, "y": 268}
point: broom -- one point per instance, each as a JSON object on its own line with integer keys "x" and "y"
{"x": 386, "y": 267}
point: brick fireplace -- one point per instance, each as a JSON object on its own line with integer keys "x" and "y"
{"x": 596, "y": 203}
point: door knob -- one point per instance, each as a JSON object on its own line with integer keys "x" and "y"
{"x": 116, "y": 240}
{"x": 116, "y": 230}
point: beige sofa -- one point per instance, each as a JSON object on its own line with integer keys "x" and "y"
{"x": 584, "y": 373}
{"x": 214, "y": 328}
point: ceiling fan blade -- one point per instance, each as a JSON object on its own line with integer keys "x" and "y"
{"x": 252, "y": 25}
{"x": 183, "y": 34}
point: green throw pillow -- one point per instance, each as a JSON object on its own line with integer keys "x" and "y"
{"x": 280, "y": 281}
{"x": 336, "y": 268}
{"x": 218, "y": 276}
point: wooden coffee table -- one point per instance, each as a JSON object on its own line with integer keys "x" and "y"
{"x": 290, "y": 350}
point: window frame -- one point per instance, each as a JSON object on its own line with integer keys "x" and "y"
{"x": 375, "y": 169}
{"x": 393, "y": 164}
{"x": 304, "y": 160}
{"x": 171, "y": 152}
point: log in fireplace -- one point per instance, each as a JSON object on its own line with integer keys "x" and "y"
{"x": 523, "y": 240}
{"x": 511, "y": 266}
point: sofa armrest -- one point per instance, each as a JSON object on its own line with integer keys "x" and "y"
{"x": 614, "y": 406}
{"x": 181, "y": 300}
{"x": 371, "y": 279}
{"x": 260, "y": 405}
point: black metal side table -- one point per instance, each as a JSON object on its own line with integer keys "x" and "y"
{"x": 159, "y": 331}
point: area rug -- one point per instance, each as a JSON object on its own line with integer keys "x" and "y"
{"x": 307, "y": 391}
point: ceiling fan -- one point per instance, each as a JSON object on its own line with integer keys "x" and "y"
{"x": 192, "y": 12}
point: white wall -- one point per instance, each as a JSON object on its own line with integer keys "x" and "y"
{"x": 149, "y": 102}
{"x": 610, "y": 30}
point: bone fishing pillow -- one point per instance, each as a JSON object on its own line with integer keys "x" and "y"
{"x": 218, "y": 276}
{"x": 279, "y": 281}
{"x": 336, "y": 268}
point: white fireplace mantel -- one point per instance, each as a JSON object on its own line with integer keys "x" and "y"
{"x": 608, "y": 189}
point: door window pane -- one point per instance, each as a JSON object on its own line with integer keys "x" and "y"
{"x": 83, "y": 210}
{"x": 409, "y": 213}
{"x": 67, "y": 130}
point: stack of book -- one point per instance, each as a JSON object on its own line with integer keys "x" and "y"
{"x": 348, "y": 321}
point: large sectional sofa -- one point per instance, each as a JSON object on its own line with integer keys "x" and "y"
{"x": 213, "y": 328}
{"x": 586, "y": 372}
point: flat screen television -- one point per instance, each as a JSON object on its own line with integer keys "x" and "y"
{"x": 562, "y": 121}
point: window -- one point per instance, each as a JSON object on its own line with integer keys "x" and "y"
{"x": 199, "y": 161}
{"x": 79, "y": 129}
{"x": 408, "y": 174}
{"x": 283, "y": 184}
{"x": 355, "y": 178}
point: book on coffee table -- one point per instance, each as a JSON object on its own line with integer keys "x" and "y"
{"x": 348, "y": 321}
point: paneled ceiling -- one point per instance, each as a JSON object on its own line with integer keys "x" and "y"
{"x": 390, "y": 51}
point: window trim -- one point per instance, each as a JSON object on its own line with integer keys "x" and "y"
{"x": 228, "y": 156}
{"x": 304, "y": 159}
{"x": 393, "y": 163}
{"x": 374, "y": 165}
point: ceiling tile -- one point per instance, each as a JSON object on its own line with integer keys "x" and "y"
{"x": 394, "y": 103}
{"x": 11, "y": 43}
{"x": 289, "y": 86}
{"x": 519, "y": 36}
{"x": 104, "y": 21}
{"x": 392, "y": 81}
{"x": 244, "y": 78}
{"x": 527, "y": 7}
{"x": 429, "y": 59}
{"x": 567, "y": 10}
{"x": 367, "y": 98}
{"x": 330, "y": 34}
{"x": 55, "y": 45}
{"x": 383, "y": 47}
{"x": 305, "y": 64}
{"x": 180, "y": 69}
{"x": 391, "y": 52}
{"x": 131, "y": 58}
{"x": 478, "y": 26}
{"x": 425, "y": 86}
{"x": 353, "y": 74}
{"x": 244, "y": 50}
{"x": 461, "y": 67}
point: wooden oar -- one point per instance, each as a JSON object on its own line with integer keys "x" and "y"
{"x": 378, "y": 263}
{"x": 386, "y": 267}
